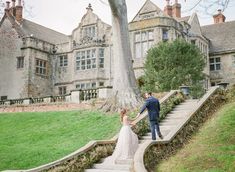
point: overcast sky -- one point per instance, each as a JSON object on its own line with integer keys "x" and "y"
{"x": 65, "y": 15}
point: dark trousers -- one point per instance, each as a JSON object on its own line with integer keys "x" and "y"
{"x": 154, "y": 125}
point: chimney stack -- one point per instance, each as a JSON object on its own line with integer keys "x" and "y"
{"x": 7, "y": 6}
{"x": 219, "y": 18}
{"x": 19, "y": 3}
{"x": 168, "y": 8}
{"x": 19, "y": 12}
{"x": 13, "y": 3}
{"x": 13, "y": 8}
{"x": 176, "y": 10}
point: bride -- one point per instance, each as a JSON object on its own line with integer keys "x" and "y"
{"x": 127, "y": 143}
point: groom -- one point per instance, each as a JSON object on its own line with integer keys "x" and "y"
{"x": 153, "y": 106}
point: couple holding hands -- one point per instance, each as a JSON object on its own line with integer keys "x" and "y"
{"x": 127, "y": 143}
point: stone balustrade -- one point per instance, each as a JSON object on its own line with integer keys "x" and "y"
{"x": 76, "y": 96}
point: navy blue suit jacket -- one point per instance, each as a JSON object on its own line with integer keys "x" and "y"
{"x": 153, "y": 106}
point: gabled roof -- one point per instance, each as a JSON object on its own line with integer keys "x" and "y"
{"x": 221, "y": 36}
{"x": 13, "y": 22}
{"x": 43, "y": 33}
{"x": 149, "y": 7}
{"x": 89, "y": 18}
{"x": 195, "y": 24}
{"x": 29, "y": 28}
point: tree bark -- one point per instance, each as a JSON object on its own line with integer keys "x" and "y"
{"x": 125, "y": 91}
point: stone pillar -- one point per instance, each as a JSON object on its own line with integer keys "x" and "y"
{"x": 104, "y": 92}
{"x": 47, "y": 100}
{"x": 8, "y": 102}
{"x": 68, "y": 98}
{"x": 26, "y": 102}
{"x": 75, "y": 96}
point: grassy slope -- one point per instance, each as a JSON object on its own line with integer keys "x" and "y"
{"x": 211, "y": 150}
{"x": 31, "y": 139}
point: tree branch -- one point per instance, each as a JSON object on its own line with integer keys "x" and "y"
{"x": 210, "y": 6}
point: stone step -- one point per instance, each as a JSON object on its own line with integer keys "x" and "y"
{"x": 103, "y": 170}
{"x": 165, "y": 127}
{"x": 141, "y": 141}
{"x": 187, "y": 104}
{"x": 170, "y": 122}
{"x": 192, "y": 100}
{"x": 174, "y": 117}
{"x": 171, "y": 119}
{"x": 180, "y": 112}
{"x": 148, "y": 137}
{"x": 124, "y": 162}
{"x": 183, "y": 108}
{"x": 164, "y": 132}
{"x": 110, "y": 166}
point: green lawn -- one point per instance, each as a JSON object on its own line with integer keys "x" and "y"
{"x": 211, "y": 150}
{"x": 32, "y": 139}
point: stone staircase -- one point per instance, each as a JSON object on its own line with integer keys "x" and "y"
{"x": 175, "y": 118}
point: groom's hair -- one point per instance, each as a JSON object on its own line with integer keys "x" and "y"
{"x": 150, "y": 93}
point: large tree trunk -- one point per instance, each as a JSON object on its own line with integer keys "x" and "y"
{"x": 125, "y": 91}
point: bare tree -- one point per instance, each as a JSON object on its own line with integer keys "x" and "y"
{"x": 125, "y": 91}
{"x": 209, "y": 7}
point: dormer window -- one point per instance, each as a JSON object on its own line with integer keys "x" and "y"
{"x": 89, "y": 31}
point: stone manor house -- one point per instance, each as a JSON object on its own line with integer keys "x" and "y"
{"x": 36, "y": 61}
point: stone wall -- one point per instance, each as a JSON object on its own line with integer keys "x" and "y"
{"x": 11, "y": 76}
{"x": 227, "y": 72}
{"x": 43, "y": 107}
{"x": 92, "y": 153}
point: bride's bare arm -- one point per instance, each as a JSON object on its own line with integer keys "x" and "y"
{"x": 130, "y": 121}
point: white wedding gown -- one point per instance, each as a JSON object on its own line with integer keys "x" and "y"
{"x": 127, "y": 144}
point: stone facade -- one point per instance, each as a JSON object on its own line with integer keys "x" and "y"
{"x": 36, "y": 61}
{"x": 221, "y": 50}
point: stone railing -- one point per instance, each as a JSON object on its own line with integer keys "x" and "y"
{"x": 88, "y": 94}
{"x": 94, "y": 151}
{"x": 151, "y": 152}
{"x": 34, "y": 100}
{"x": 81, "y": 159}
{"x": 16, "y": 101}
{"x": 76, "y": 96}
{"x": 37, "y": 100}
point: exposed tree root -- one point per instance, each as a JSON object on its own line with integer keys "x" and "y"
{"x": 127, "y": 100}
